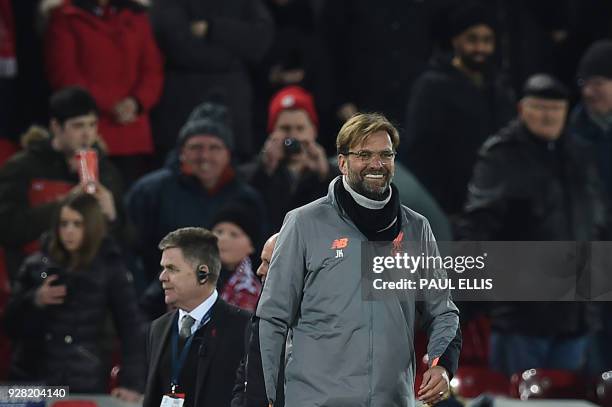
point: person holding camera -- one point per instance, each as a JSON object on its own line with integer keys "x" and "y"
{"x": 57, "y": 313}
{"x": 291, "y": 159}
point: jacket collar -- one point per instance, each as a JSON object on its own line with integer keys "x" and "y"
{"x": 333, "y": 201}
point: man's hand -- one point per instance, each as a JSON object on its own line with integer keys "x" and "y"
{"x": 126, "y": 394}
{"x": 435, "y": 386}
{"x": 273, "y": 152}
{"x": 106, "y": 201}
{"x": 199, "y": 28}
{"x": 126, "y": 110}
{"x": 317, "y": 160}
{"x": 48, "y": 294}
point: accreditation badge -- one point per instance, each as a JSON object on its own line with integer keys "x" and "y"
{"x": 173, "y": 400}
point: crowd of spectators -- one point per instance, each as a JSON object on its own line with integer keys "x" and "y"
{"x": 222, "y": 114}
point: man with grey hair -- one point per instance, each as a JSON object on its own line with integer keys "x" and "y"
{"x": 193, "y": 352}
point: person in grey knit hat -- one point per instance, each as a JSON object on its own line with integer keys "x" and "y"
{"x": 209, "y": 118}
{"x": 196, "y": 181}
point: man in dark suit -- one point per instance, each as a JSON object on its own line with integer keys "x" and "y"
{"x": 193, "y": 352}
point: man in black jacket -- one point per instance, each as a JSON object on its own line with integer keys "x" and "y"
{"x": 208, "y": 45}
{"x": 531, "y": 183}
{"x": 454, "y": 106}
{"x": 193, "y": 352}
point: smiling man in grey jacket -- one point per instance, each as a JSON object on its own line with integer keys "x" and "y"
{"x": 348, "y": 351}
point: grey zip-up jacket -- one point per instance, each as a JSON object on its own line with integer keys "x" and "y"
{"x": 346, "y": 351}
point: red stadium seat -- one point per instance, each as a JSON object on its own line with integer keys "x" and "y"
{"x": 7, "y": 149}
{"x": 473, "y": 381}
{"x": 475, "y": 347}
{"x": 474, "y": 353}
{"x": 548, "y": 384}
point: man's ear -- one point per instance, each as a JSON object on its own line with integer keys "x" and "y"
{"x": 202, "y": 273}
{"x": 343, "y": 164}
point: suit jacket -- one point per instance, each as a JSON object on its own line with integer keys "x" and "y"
{"x": 217, "y": 361}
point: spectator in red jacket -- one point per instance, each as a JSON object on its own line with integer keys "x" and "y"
{"x": 107, "y": 47}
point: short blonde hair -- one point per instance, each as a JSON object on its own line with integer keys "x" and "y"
{"x": 359, "y": 127}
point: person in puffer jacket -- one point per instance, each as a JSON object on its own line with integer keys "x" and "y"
{"x": 57, "y": 315}
{"x": 348, "y": 351}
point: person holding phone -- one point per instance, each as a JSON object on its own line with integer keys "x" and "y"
{"x": 57, "y": 313}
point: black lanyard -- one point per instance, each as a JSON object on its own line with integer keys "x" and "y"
{"x": 179, "y": 361}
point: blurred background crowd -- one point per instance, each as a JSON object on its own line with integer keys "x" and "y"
{"x": 223, "y": 114}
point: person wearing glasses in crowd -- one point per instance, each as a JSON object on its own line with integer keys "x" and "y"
{"x": 347, "y": 351}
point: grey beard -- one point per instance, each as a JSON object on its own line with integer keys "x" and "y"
{"x": 378, "y": 195}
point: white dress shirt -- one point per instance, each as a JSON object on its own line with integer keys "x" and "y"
{"x": 198, "y": 312}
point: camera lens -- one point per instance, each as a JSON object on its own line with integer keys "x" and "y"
{"x": 292, "y": 146}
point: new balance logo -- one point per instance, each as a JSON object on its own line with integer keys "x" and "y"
{"x": 340, "y": 243}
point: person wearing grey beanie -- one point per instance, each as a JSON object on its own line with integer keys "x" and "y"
{"x": 208, "y": 118}
{"x": 197, "y": 180}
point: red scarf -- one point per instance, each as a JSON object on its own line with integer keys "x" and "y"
{"x": 225, "y": 178}
{"x": 243, "y": 288}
